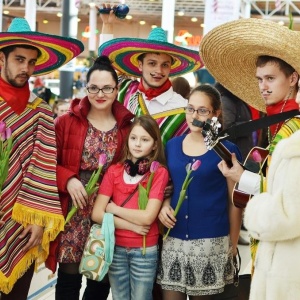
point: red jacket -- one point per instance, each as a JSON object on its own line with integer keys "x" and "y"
{"x": 71, "y": 129}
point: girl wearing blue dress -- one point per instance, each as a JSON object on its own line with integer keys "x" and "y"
{"x": 197, "y": 255}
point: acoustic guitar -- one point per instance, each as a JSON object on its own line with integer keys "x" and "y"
{"x": 213, "y": 142}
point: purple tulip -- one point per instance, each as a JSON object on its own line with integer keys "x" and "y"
{"x": 2, "y": 127}
{"x": 2, "y": 131}
{"x": 8, "y": 132}
{"x": 196, "y": 165}
{"x": 154, "y": 166}
{"x": 102, "y": 159}
{"x": 256, "y": 156}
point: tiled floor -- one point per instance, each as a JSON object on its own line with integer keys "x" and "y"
{"x": 49, "y": 294}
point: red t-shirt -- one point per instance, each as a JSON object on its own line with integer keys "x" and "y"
{"x": 113, "y": 185}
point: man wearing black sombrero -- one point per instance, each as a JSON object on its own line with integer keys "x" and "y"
{"x": 153, "y": 60}
{"x": 258, "y": 61}
{"x": 31, "y": 215}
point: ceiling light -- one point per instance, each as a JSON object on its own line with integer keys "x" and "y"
{"x": 194, "y": 19}
{"x": 202, "y": 25}
{"x": 142, "y": 22}
{"x": 45, "y": 21}
{"x": 6, "y": 12}
{"x": 59, "y": 14}
{"x": 180, "y": 13}
{"x": 153, "y": 26}
{"x": 128, "y": 17}
{"x": 78, "y": 19}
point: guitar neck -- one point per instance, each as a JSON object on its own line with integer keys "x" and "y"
{"x": 223, "y": 152}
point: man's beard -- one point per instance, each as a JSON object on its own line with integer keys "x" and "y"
{"x": 13, "y": 82}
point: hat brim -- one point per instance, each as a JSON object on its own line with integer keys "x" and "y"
{"x": 124, "y": 52}
{"x": 230, "y": 52}
{"x": 55, "y": 50}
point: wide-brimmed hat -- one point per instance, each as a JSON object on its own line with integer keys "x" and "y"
{"x": 230, "y": 52}
{"x": 55, "y": 50}
{"x": 124, "y": 53}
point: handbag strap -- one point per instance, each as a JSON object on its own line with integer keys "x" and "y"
{"x": 135, "y": 189}
{"x": 108, "y": 228}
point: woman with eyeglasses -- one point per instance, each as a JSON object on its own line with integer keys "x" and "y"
{"x": 197, "y": 255}
{"x": 96, "y": 124}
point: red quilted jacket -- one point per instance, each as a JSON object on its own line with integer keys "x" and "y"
{"x": 71, "y": 129}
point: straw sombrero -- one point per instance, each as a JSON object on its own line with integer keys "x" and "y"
{"x": 55, "y": 50}
{"x": 123, "y": 53}
{"x": 230, "y": 51}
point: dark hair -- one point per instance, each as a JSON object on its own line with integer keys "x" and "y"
{"x": 287, "y": 69}
{"x": 181, "y": 86}
{"x": 9, "y": 49}
{"x": 225, "y": 92}
{"x": 213, "y": 94}
{"x": 142, "y": 56}
{"x": 150, "y": 125}
{"x": 102, "y": 63}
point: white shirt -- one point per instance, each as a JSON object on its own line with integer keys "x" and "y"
{"x": 250, "y": 183}
{"x": 166, "y": 101}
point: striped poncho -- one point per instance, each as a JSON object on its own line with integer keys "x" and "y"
{"x": 171, "y": 122}
{"x": 29, "y": 194}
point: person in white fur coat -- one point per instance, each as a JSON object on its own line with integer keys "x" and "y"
{"x": 273, "y": 218}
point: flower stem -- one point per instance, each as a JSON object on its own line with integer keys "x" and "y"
{"x": 144, "y": 245}
{"x": 71, "y": 214}
{"x": 179, "y": 203}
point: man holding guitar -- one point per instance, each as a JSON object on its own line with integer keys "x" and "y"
{"x": 256, "y": 60}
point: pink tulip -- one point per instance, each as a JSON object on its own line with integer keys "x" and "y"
{"x": 2, "y": 126}
{"x": 8, "y": 132}
{"x": 196, "y": 165}
{"x": 2, "y": 130}
{"x": 102, "y": 159}
{"x": 154, "y": 166}
{"x": 256, "y": 156}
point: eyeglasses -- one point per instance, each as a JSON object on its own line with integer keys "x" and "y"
{"x": 200, "y": 111}
{"x": 96, "y": 90}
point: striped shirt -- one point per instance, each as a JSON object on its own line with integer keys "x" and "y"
{"x": 171, "y": 118}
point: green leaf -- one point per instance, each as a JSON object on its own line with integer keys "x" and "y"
{"x": 143, "y": 198}
{"x": 71, "y": 214}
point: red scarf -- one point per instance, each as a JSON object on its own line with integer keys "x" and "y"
{"x": 15, "y": 97}
{"x": 154, "y": 92}
{"x": 278, "y": 108}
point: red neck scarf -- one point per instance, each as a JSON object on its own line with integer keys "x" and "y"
{"x": 154, "y": 92}
{"x": 281, "y": 106}
{"x": 15, "y": 97}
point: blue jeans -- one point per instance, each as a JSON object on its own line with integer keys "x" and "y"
{"x": 131, "y": 274}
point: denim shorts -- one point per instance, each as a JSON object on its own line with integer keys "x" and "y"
{"x": 132, "y": 274}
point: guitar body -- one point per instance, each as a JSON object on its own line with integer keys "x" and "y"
{"x": 240, "y": 198}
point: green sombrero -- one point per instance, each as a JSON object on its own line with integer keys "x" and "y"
{"x": 124, "y": 52}
{"x": 55, "y": 50}
{"x": 230, "y": 52}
